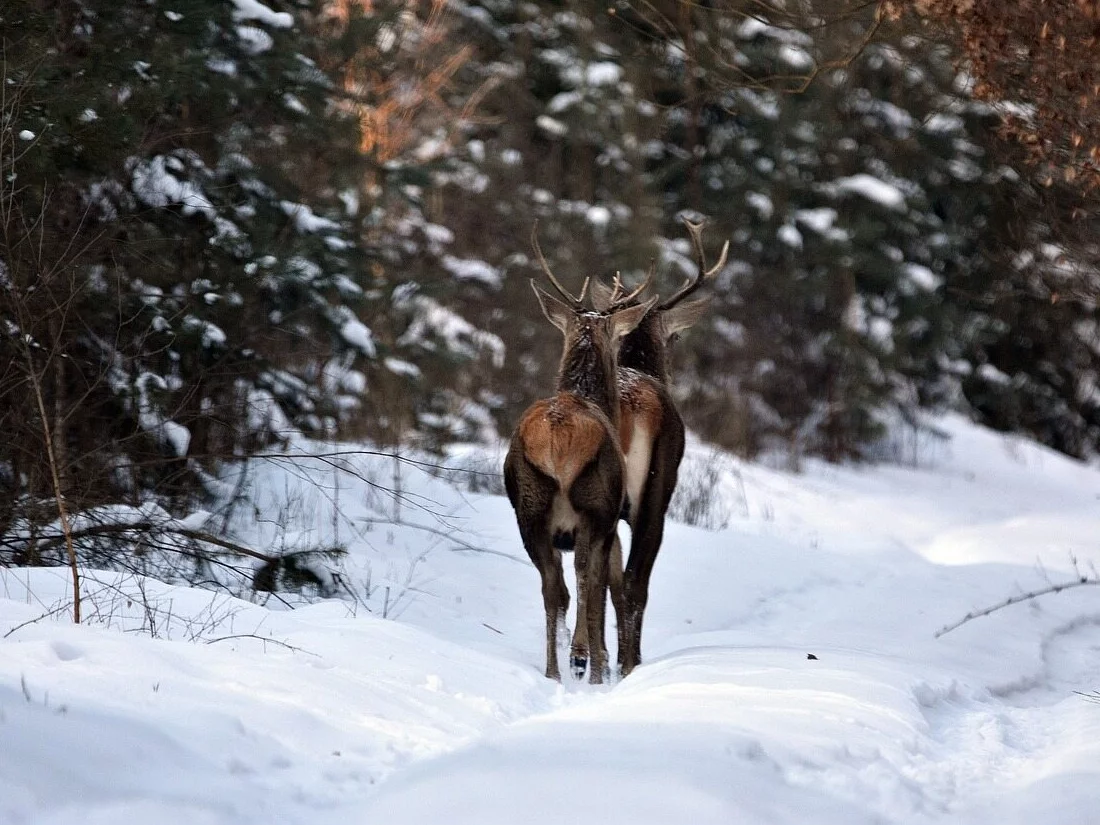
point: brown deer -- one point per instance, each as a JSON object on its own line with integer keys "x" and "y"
{"x": 564, "y": 471}
{"x": 651, "y": 434}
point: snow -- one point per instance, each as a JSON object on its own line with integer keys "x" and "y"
{"x": 26, "y": 134}
{"x": 177, "y": 436}
{"x": 551, "y": 126}
{"x": 900, "y": 121}
{"x": 791, "y": 676}
{"x": 872, "y": 188}
{"x": 438, "y": 234}
{"x": 358, "y": 335}
{"x": 942, "y": 123}
{"x": 387, "y": 38}
{"x": 255, "y": 10}
{"x": 399, "y": 366}
{"x": 305, "y": 219}
{"x": 603, "y": 73}
{"x": 152, "y": 419}
{"x": 923, "y": 277}
{"x": 225, "y": 67}
{"x": 751, "y": 27}
{"x": 761, "y": 203}
{"x": 562, "y": 101}
{"x": 155, "y": 186}
{"x": 433, "y": 319}
{"x": 294, "y": 103}
{"x": 790, "y": 236}
{"x": 470, "y": 269}
{"x": 820, "y": 220}
{"x": 993, "y": 375}
{"x": 212, "y": 334}
{"x": 598, "y": 216}
{"x": 255, "y": 40}
{"x": 796, "y": 57}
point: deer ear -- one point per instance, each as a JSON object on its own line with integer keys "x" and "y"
{"x": 682, "y": 316}
{"x": 600, "y": 293}
{"x": 624, "y": 321}
{"x": 555, "y": 311}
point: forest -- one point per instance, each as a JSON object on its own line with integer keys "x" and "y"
{"x": 224, "y": 222}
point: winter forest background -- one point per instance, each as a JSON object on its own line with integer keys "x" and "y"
{"x": 227, "y": 222}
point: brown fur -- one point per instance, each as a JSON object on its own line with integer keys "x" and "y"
{"x": 560, "y": 436}
{"x": 640, "y": 404}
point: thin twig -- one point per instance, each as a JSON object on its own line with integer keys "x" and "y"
{"x": 36, "y": 619}
{"x": 461, "y": 545}
{"x": 1081, "y": 581}
{"x": 287, "y": 645}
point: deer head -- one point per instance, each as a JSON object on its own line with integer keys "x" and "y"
{"x": 646, "y": 347}
{"x": 592, "y": 339}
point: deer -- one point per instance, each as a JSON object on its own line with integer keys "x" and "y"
{"x": 564, "y": 470}
{"x": 651, "y": 434}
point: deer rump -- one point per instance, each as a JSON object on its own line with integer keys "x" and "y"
{"x": 641, "y": 415}
{"x": 560, "y": 437}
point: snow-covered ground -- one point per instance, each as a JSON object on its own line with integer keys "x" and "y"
{"x": 175, "y": 705}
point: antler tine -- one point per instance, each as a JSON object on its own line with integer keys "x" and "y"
{"x": 625, "y": 299}
{"x": 691, "y": 284}
{"x": 577, "y": 302}
{"x": 618, "y": 300}
{"x": 584, "y": 289}
{"x": 616, "y": 288}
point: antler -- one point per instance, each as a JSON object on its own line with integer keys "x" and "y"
{"x": 618, "y": 300}
{"x": 692, "y": 284}
{"x": 577, "y": 301}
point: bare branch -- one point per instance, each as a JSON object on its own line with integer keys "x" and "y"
{"x": 1081, "y": 581}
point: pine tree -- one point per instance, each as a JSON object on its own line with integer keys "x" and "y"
{"x": 182, "y": 277}
{"x": 850, "y": 205}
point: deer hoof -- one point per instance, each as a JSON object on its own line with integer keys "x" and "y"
{"x": 579, "y": 665}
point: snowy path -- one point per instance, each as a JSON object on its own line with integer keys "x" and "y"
{"x": 443, "y": 714}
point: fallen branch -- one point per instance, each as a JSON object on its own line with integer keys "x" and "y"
{"x": 1080, "y": 581}
{"x": 155, "y": 527}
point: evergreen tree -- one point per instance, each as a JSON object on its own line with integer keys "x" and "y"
{"x": 174, "y": 270}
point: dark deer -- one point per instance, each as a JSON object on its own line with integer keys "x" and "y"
{"x": 651, "y": 434}
{"x": 564, "y": 471}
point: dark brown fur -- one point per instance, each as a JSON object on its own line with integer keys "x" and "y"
{"x": 645, "y": 399}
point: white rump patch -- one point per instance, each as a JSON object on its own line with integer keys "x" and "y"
{"x": 636, "y": 461}
{"x": 563, "y": 517}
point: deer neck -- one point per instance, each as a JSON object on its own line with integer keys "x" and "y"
{"x": 644, "y": 350}
{"x": 588, "y": 372}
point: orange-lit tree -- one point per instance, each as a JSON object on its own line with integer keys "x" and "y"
{"x": 1038, "y": 62}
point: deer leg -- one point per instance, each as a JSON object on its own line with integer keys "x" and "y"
{"x": 554, "y": 599}
{"x": 643, "y": 553}
{"x": 597, "y": 608}
{"x": 648, "y": 532}
{"x": 531, "y": 493}
{"x": 615, "y": 580}
{"x": 578, "y": 654}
